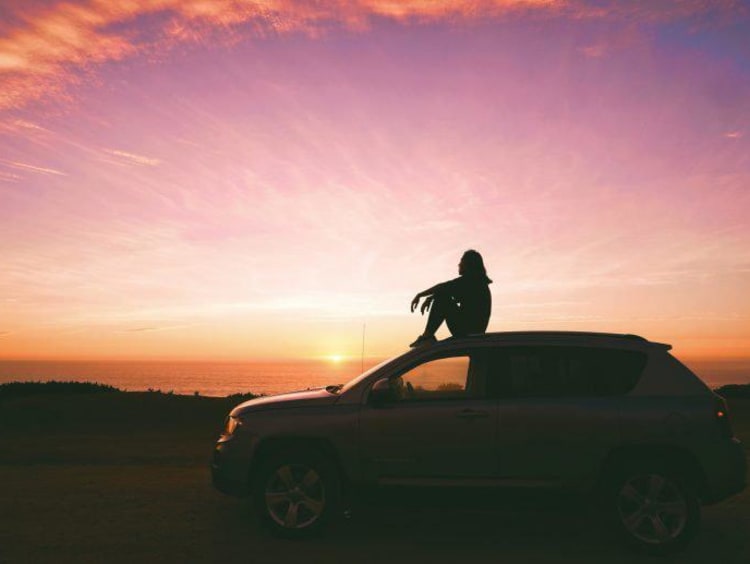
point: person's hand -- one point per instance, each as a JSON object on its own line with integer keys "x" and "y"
{"x": 414, "y": 303}
{"x": 426, "y": 305}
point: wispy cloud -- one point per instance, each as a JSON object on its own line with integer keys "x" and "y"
{"x": 16, "y": 125}
{"x": 594, "y": 51}
{"x": 124, "y": 157}
{"x": 733, "y": 134}
{"x": 9, "y": 176}
{"x": 33, "y": 168}
{"x": 153, "y": 328}
{"x": 57, "y": 45}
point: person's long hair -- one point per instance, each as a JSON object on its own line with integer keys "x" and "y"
{"x": 474, "y": 266}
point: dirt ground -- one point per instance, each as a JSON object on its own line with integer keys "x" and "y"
{"x": 103, "y": 488}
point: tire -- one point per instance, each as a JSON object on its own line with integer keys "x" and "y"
{"x": 296, "y": 492}
{"x": 653, "y": 507}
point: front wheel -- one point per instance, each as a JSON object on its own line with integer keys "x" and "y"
{"x": 296, "y": 492}
{"x": 654, "y": 508}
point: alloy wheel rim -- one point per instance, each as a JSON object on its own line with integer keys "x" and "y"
{"x": 652, "y": 508}
{"x": 295, "y": 496}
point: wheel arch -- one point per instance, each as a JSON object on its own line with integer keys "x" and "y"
{"x": 678, "y": 458}
{"x": 272, "y": 445}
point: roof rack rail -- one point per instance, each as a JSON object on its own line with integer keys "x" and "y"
{"x": 567, "y": 333}
{"x": 583, "y": 334}
{"x": 633, "y": 336}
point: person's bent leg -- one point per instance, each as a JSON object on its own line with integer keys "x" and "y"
{"x": 456, "y": 322}
{"x": 438, "y": 312}
{"x": 442, "y": 306}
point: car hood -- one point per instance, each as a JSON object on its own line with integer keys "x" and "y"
{"x": 293, "y": 399}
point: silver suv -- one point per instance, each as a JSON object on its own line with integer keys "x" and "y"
{"x": 613, "y": 415}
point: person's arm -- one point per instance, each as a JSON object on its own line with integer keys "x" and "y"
{"x": 430, "y": 294}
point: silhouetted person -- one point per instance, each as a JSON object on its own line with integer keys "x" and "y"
{"x": 464, "y": 303}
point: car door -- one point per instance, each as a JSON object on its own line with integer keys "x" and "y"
{"x": 440, "y": 424}
{"x": 558, "y": 410}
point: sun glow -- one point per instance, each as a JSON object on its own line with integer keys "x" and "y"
{"x": 335, "y": 358}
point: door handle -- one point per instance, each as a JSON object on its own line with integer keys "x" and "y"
{"x": 472, "y": 414}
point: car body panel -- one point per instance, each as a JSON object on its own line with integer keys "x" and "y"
{"x": 305, "y": 398}
{"x": 428, "y": 440}
{"x": 555, "y": 440}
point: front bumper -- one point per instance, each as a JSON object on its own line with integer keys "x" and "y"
{"x": 230, "y": 468}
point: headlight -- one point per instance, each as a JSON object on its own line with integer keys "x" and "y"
{"x": 231, "y": 425}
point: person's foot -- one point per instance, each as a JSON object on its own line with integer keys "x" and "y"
{"x": 423, "y": 340}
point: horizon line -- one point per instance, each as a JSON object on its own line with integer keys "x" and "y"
{"x": 317, "y": 358}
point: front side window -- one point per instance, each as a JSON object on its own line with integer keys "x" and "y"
{"x": 438, "y": 379}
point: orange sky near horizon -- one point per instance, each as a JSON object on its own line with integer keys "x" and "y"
{"x": 237, "y": 179}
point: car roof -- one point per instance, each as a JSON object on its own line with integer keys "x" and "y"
{"x": 558, "y": 337}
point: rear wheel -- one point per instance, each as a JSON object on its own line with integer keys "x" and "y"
{"x": 296, "y": 492}
{"x": 654, "y": 507}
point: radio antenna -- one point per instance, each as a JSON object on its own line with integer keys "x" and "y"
{"x": 362, "y": 367}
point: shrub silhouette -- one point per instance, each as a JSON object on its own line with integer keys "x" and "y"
{"x": 22, "y": 389}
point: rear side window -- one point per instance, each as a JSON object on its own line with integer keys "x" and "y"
{"x": 563, "y": 371}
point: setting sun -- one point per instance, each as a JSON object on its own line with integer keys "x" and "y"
{"x": 335, "y": 358}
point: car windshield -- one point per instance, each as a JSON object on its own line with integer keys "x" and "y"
{"x": 351, "y": 383}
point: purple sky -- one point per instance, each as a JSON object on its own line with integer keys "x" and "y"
{"x": 258, "y": 179}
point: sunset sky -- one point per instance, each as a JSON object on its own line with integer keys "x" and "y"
{"x": 239, "y": 179}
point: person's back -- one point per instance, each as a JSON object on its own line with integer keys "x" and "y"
{"x": 475, "y": 303}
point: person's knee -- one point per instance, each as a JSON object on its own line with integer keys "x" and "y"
{"x": 441, "y": 298}
{"x": 447, "y": 306}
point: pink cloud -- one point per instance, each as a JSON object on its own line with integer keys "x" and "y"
{"x": 32, "y": 168}
{"x": 119, "y": 157}
{"x": 57, "y": 44}
{"x": 9, "y": 177}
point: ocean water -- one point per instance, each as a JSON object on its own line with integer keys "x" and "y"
{"x": 259, "y": 377}
{"x": 188, "y": 377}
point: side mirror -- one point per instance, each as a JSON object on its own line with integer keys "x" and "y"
{"x": 381, "y": 392}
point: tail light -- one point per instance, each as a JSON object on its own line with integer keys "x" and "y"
{"x": 721, "y": 413}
